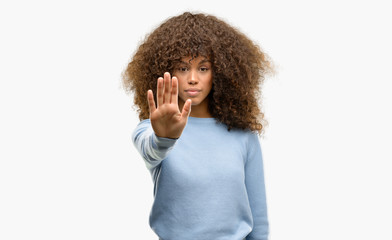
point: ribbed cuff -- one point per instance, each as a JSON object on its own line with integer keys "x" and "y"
{"x": 164, "y": 142}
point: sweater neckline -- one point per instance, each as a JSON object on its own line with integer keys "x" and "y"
{"x": 194, "y": 120}
{"x": 201, "y": 120}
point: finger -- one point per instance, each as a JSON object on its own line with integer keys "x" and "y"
{"x": 186, "y": 109}
{"x": 160, "y": 91}
{"x": 166, "y": 97}
{"x": 174, "y": 92}
{"x": 151, "y": 102}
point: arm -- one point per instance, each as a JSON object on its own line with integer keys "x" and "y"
{"x": 155, "y": 137}
{"x": 255, "y": 185}
{"x": 152, "y": 148}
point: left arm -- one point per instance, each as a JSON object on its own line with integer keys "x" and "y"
{"x": 255, "y": 185}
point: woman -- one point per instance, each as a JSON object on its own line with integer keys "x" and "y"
{"x": 198, "y": 132}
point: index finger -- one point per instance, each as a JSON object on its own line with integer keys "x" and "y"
{"x": 160, "y": 92}
{"x": 151, "y": 102}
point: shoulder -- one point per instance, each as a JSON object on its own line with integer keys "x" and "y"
{"x": 249, "y": 143}
{"x": 251, "y": 139}
{"x": 246, "y": 135}
{"x": 143, "y": 123}
{"x": 248, "y": 139}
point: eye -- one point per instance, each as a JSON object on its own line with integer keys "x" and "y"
{"x": 204, "y": 69}
{"x": 182, "y": 69}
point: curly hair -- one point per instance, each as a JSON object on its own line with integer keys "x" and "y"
{"x": 239, "y": 67}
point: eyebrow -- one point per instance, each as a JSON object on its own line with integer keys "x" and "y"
{"x": 201, "y": 62}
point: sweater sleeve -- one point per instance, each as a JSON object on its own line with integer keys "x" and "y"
{"x": 254, "y": 180}
{"x": 152, "y": 148}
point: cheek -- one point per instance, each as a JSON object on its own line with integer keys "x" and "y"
{"x": 181, "y": 89}
{"x": 210, "y": 82}
{"x": 180, "y": 81}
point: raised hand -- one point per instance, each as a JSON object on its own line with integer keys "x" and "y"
{"x": 166, "y": 119}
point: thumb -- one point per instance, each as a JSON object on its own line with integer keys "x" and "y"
{"x": 186, "y": 109}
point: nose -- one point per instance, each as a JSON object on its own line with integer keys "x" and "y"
{"x": 193, "y": 79}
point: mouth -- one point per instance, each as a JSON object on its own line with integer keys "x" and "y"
{"x": 192, "y": 92}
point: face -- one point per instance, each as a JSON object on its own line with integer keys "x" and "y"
{"x": 194, "y": 82}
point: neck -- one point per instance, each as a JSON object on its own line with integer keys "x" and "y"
{"x": 198, "y": 111}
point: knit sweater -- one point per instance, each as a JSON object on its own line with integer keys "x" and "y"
{"x": 208, "y": 184}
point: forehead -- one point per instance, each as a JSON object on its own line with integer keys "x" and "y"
{"x": 194, "y": 60}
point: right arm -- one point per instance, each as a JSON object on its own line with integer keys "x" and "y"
{"x": 152, "y": 148}
{"x": 154, "y": 138}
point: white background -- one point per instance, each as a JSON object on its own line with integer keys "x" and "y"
{"x": 68, "y": 168}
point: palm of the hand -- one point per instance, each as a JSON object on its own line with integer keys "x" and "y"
{"x": 167, "y": 121}
{"x": 166, "y": 118}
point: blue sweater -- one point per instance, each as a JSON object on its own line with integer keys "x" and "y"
{"x": 208, "y": 184}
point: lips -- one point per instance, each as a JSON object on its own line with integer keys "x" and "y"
{"x": 192, "y": 91}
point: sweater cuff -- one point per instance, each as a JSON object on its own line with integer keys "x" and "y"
{"x": 164, "y": 142}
